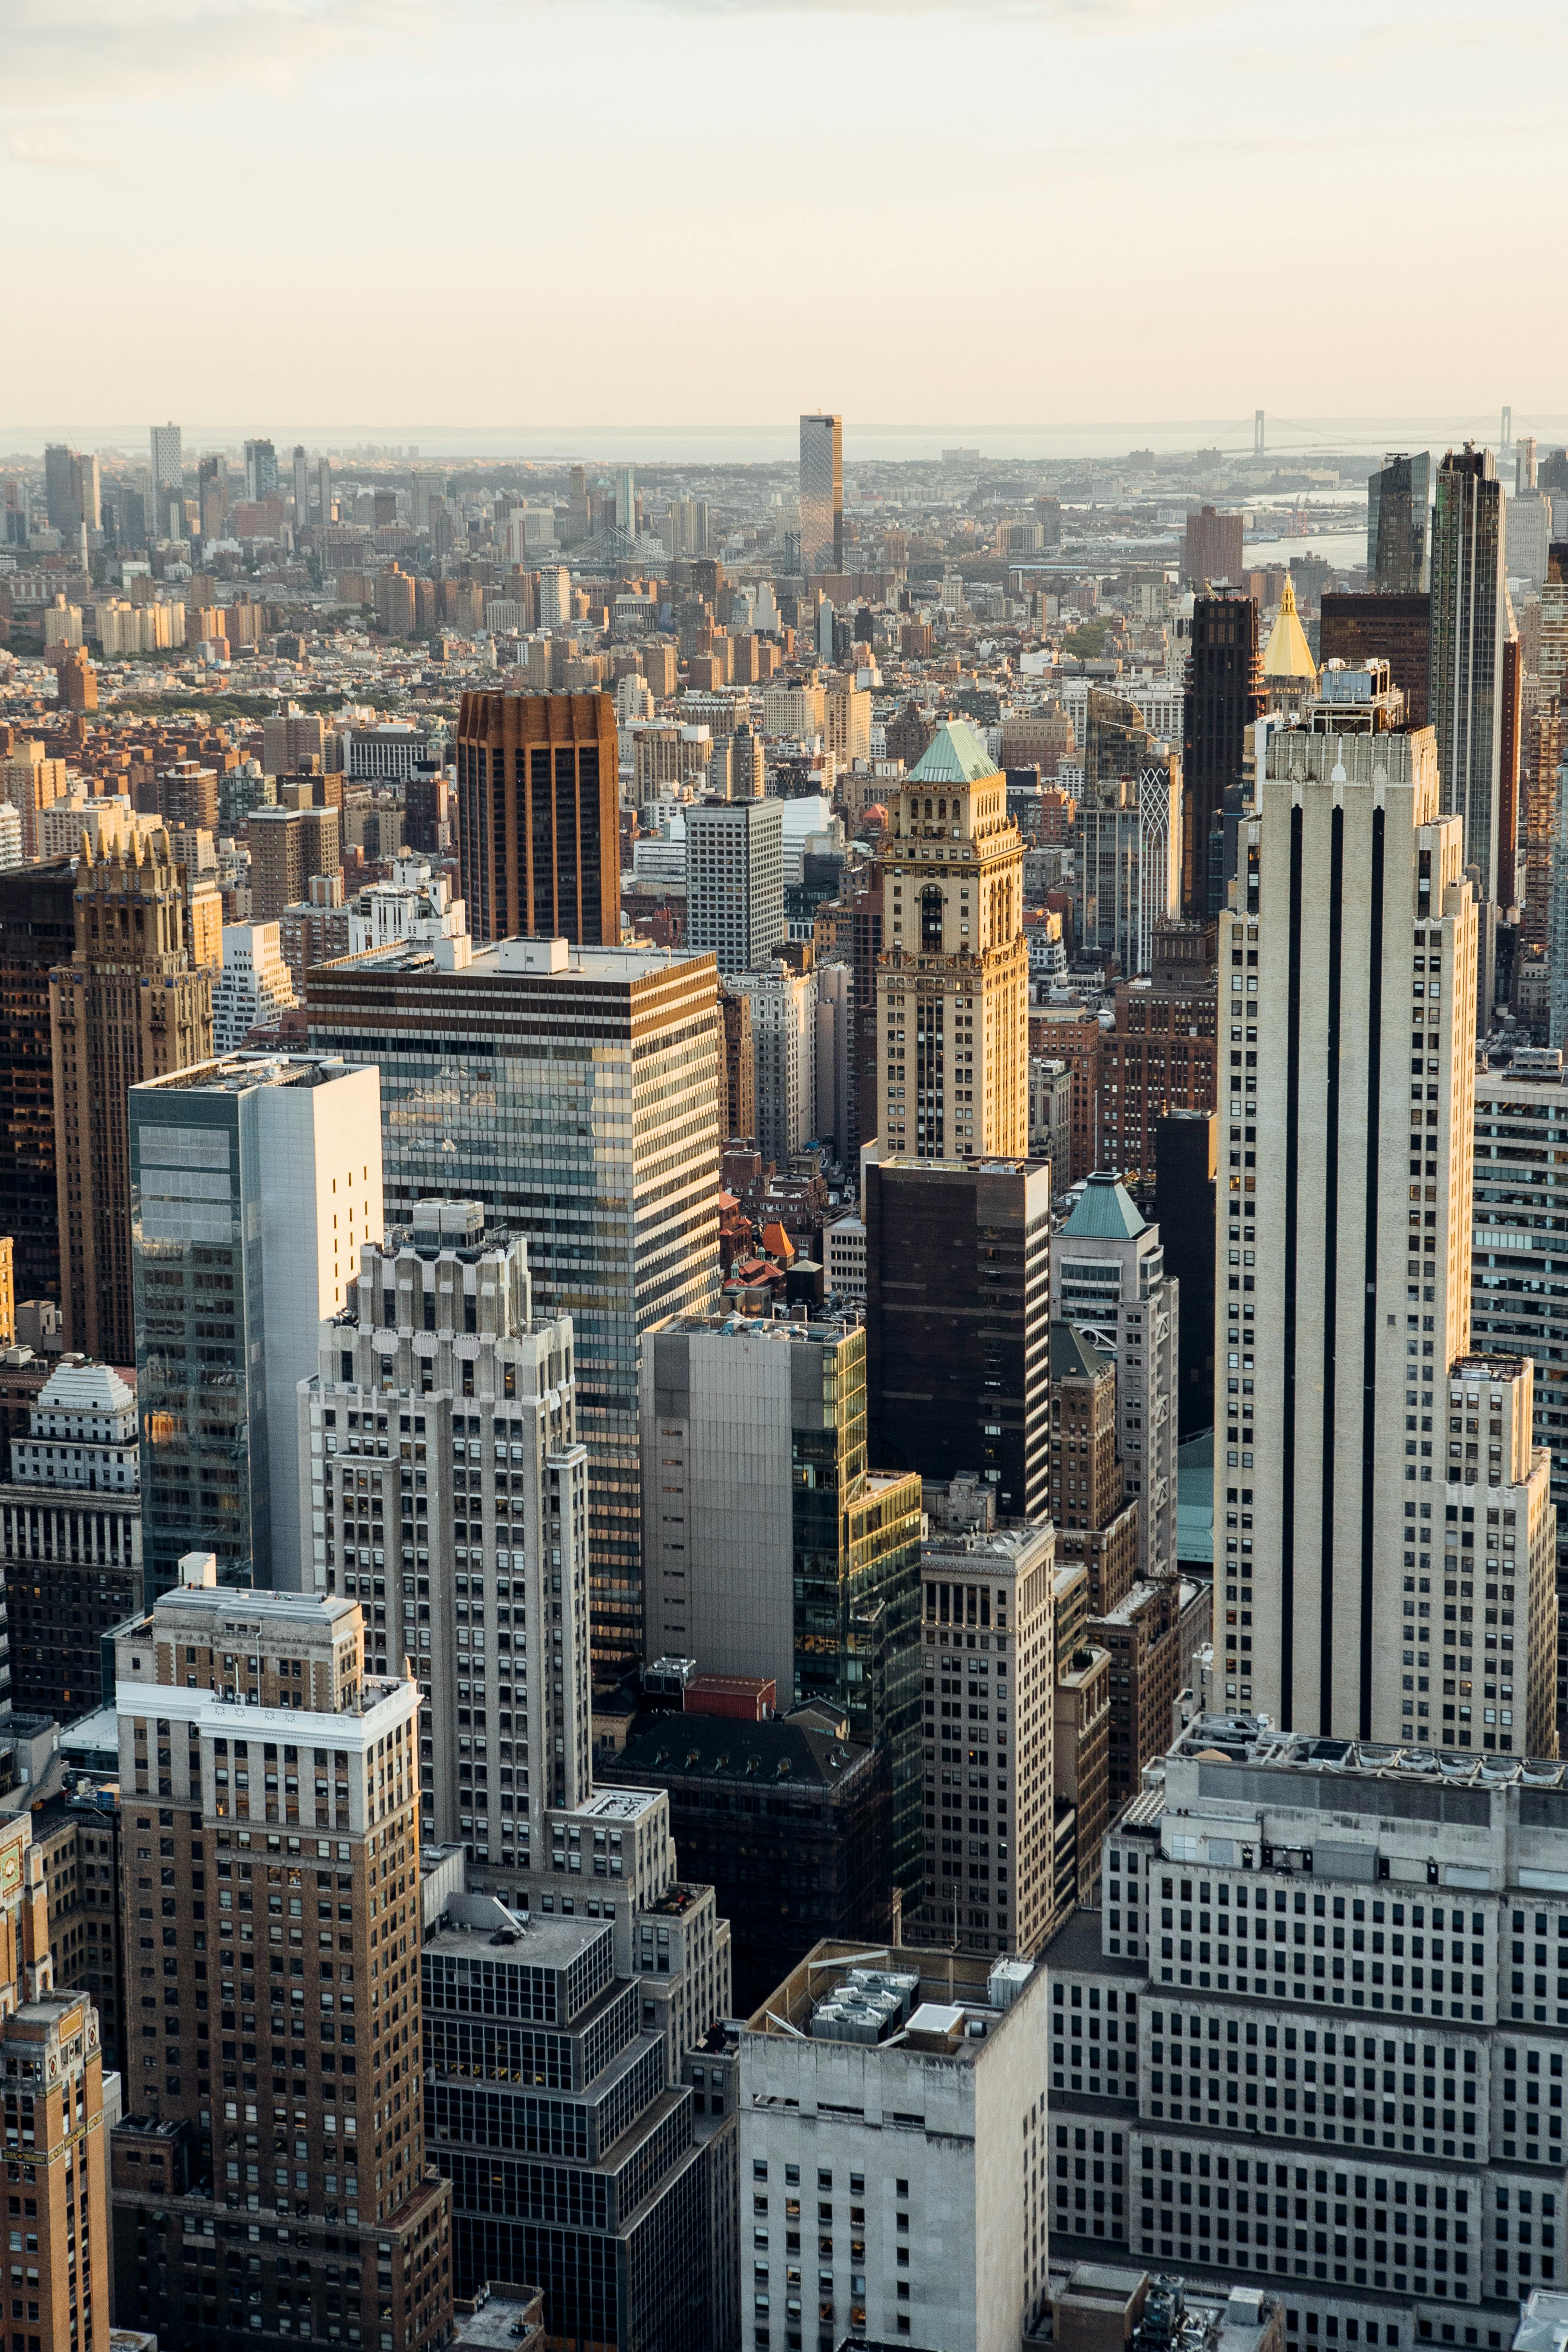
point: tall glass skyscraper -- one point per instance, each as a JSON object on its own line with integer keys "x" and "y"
{"x": 821, "y": 493}
{"x": 1398, "y": 498}
{"x": 1470, "y": 627}
{"x": 575, "y": 1093}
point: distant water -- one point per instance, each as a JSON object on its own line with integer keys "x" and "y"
{"x": 776, "y": 443}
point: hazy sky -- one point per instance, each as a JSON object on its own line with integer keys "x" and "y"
{"x": 695, "y": 212}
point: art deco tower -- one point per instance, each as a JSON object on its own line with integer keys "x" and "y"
{"x": 953, "y": 980}
{"x": 131, "y": 1004}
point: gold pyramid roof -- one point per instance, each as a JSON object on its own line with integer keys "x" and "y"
{"x": 1289, "y": 655}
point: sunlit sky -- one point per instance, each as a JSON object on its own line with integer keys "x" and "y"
{"x": 694, "y": 213}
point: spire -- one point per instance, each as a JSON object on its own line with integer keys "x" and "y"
{"x": 1288, "y": 653}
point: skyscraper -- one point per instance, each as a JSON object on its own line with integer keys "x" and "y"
{"x": 576, "y": 1094}
{"x": 1108, "y": 1276}
{"x": 133, "y": 1003}
{"x": 783, "y": 1048}
{"x": 625, "y": 502}
{"x": 37, "y": 931}
{"x": 260, "y": 470}
{"x": 1214, "y": 549}
{"x": 60, "y": 492}
{"x": 1384, "y": 626}
{"x": 953, "y": 976}
{"x": 958, "y": 1322}
{"x": 290, "y": 1788}
{"x": 324, "y": 488}
{"x": 1224, "y": 696}
{"x": 253, "y": 1184}
{"x": 438, "y": 1363}
{"x": 734, "y": 881}
{"x": 167, "y": 464}
{"x": 1355, "y": 1337}
{"x": 1469, "y": 628}
{"x": 538, "y": 817}
{"x": 821, "y": 493}
{"x": 774, "y": 1544}
{"x": 302, "y": 488}
{"x": 1398, "y": 511}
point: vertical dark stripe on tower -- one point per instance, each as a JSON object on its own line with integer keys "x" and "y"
{"x": 1330, "y": 1274}
{"x": 1292, "y": 1188}
{"x": 1369, "y": 1326}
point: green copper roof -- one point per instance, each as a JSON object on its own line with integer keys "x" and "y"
{"x": 956, "y": 755}
{"x": 1105, "y": 1212}
{"x": 1074, "y": 1355}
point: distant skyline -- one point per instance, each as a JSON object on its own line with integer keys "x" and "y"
{"x": 693, "y": 212}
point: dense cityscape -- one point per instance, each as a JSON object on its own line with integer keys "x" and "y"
{"x": 901, "y": 1117}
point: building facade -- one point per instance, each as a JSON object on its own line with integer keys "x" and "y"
{"x": 989, "y": 1818}
{"x": 1470, "y": 625}
{"x": 951, "y": 979}
{"x": 70, "y": 1538}
{"x": 1107, "y": 1276}
{"x": 438, "y": 1364}
{"x": 576, "y": 1094}
{"x": 958, "y": 1273}
{"x": 783, "y": 1057}
{"x": 1417, "y": 2190}
{"x": 131, "y": 1004}
{"x": 291, "y": 1780}
{"x": 1224, "y": 697}
{"x": 1398, "y": 526}
{"x": 821, "y": 495}
{"x": 734, "y": 881}
{"x": 254, "y": 1180}
{"x": 538, "y": 817}
{"x": 772, "y": 1548}
{"x": 255, "y": 986}
{"x": 37, "y": 932}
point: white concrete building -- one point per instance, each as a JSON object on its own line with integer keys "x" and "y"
{"x": 783, "y": 1044}
{"x": 1107, "y": 1276}
{"x": 845, "y": 1244}
{"x": 416, "y": 904}
{"x": 1384, "y": 2152}
{"x": 443, "y": 1487}
{"x": 82, "y": 1433}
{"x": 894, "y": 2102}
{"x": 254, "y": 986}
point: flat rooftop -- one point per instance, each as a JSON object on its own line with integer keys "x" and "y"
{"x": 950, "y": 1983}
{"x": 615, "y": 966}
{"x": 530, "y": 1940}
{"x": 242, "y": 1073}
{"x": 1251, "y": 1739}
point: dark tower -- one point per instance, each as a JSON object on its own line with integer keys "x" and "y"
{"x": 37, "y": 930}
{"x": 1224, "y": 695}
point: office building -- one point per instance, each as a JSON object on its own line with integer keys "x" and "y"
{"x": 53, "y": 2057}
{"x": 1187, "y": 1172}
{"x": 821, "y": 495}
{"x": 958, "y": 1276}
{"x": 782, "y": 1003}
{"x": 78, "y": 1838}
{"x": 1398, "y": 525}
{"x": 167, "y": 463}
{"x": 70, "y": 1538}
{"x": 37, "y": 932}
{"x": 1096, "y": 1523}
{"x": 952, "y": 978}
{"x": 1108, "y": 1276}
{"x": 772, "y": 1543}
{"x": 615, "y": 2227}
{"x": 437, "y": 1363}
{"x": 989, "y": 1813}
{"x": 1519, "y": 1209}
{"x": 1352, "y": 1379}
{"x": 1385, "y": 626}
{"x": 254, "y": 1181}
{"x": 302, "y": 490}
{"x": 133, "y": 1003}
{"x": 576, "y": 1094}
{"x": 255, "y": 988}
{"x": 1225, "y": 697}
{"x": 1080, "y": 1767}
{"x": 873, "y": 2085}
{"x": 290, "y": 1782}
{"x": 1470, "y": 622}
{"x": 537, "y": 821}
{"x": 289, "y": 848}
{"x": 1130, "y": 828}
{"x": 260, "y": 471}
{"x": 738, "y": 1072}
{"x": 1150, "y": 1637}
{"x": 59, "y": 490}
{"x": 783, "y": 1879}
{"x": 1413, "y": 2196}
{"x": 734, "y": 882}
{"x": 1212, "y": 551}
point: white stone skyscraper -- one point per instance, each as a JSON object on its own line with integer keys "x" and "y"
{"x": 1342, "y": 1279}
